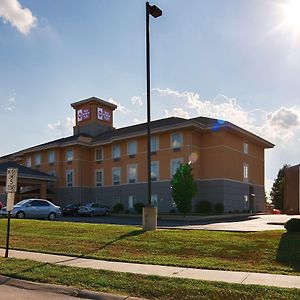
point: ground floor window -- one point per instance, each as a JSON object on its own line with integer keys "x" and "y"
{"x": 131, "y": 201}
{"x": 154, "y": 200}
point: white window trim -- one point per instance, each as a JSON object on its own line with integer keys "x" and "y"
{"x": 136, "y": 145}
{"x": 67, "y": 150}
{"x": 181, "y": 139}
{"x": 112, "y": 175}
{"x": 97, "y": 159}
{"x": 28, "y": 162}
{"x": 35, "y": 156}
{"x": 157, "y": 163}
{"x": 136, "y": 177}
{"x": 133, "y": 201}
{"x": 112, "y": 151}
{"x": 102, "y": 183}
{"x": 54, "y": 157}
{"x": 156, "y": 137}
{"x": 246, "y": 147}
{"x": 68, "y": 172}
{"x": 171, "y": 164}
{"x": 245, "y": 165}
{"x": 152, "y": 202}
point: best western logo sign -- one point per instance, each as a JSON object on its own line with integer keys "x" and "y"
{"x": 83, "y": 114}
{"x": 103, "y": 114}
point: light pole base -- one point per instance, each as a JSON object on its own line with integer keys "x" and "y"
{"x": 149, "y": 218}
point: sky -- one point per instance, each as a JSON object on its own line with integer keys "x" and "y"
{"x": 236, "y": 60}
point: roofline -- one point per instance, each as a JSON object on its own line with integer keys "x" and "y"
{"x": 22, "y": 176}
{"x": 95, "y": 99}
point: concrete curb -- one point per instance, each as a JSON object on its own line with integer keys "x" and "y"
{"x": 62, "y": 290}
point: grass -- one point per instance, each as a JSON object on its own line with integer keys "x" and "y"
{"x": 269, "y": 251}
{"x": 150, "y": 287}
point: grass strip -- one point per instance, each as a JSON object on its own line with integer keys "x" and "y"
{"x": 150, "y": 287}
{"x": 268, "y": 251}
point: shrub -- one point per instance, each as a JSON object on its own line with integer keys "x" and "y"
{"x": 138, "y": 207}
{"x": 293, "y": 225}
{"x": 204, "y": 207}
{"x": 219, "y": 208}
{"x": 172, "y": 211}
{"x": 118, "y": 208}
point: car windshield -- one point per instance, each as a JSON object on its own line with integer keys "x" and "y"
{"x": 23, "y": 202}
{"x": 71, "y": 205}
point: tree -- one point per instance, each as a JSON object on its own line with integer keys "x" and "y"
{"x": 277, "y": 191}
{"x": 184, "y": 188}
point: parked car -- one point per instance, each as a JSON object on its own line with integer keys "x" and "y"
{"x": 33, "y": 208}
{"x": 276, "y": 211}
{"x": 94, "y": 209}
{"x": 70, "y": 210}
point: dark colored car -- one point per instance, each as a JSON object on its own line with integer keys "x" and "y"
{"x": 70, "y": 210}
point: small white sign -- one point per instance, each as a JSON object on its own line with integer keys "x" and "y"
{"x": 11, "y": 180}
{"x": 10, "y": 201}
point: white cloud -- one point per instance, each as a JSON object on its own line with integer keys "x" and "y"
{"x": 11, "y": 11}
{"x": 62, "y": 129}
{"x": 177, "y": 112}
{"x": 120, "y": 108}
{"x": 137, "y": 100}
{"x": 10, "y": 104}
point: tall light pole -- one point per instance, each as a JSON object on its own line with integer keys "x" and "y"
{"x": 149, "y": 219}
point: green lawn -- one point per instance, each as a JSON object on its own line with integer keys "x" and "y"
{"x": 150, "y": 287}
{"x": 270, "y": 251}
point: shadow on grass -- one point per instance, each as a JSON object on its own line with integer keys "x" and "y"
{"x": 288, "y": 252}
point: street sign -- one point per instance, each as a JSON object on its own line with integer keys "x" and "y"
{"x": 10, "y": 201}
{"x": 11, "y": 180}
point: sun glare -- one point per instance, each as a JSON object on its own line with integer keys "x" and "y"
{"x": 292, "y": 14}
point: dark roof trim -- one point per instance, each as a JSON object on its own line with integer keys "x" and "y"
{"x": 95, "y": 99}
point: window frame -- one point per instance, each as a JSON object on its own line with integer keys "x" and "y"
{"x": 68, "y": 172}
{"x": 155, "y": 163}
{"x": 112, "y": 173}
{"x": 246, "y": 172}
{"x": 134, "y": 180}
{"x": 133, "y": 154}
{"x": 37, "y": 155}
{"x": 28, "y": 159}
{"x": 246, "y": 148}
{"x": 113, "y": 152}
{"x": 68, "y": 151}
{"x": 49, "y": 156}
{"x": 171, "y": 165}
{"x": 98, "y": 183}
{"x": 180, "y": 140}
{"x": 156, "y": 139}
{"x": 96, "y": 157}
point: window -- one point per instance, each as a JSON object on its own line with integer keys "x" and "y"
{"x": 116, "y": 152}
{"x": 246, "y": 172}
{"x": 154, "y": 171}
{"x": 246, "y": 202}
{"x": 154, "y": 200}
{"x": 176, "y": 140}
{"x": 69, "y": 154}
{"x": 70, "y": 178}
{"x": 175, "y": 164}
{"x": 154, "y": 144}
{"x": 37, "y": 159}
{"x": 39, "y": 203}
{"x": 246, "y": 148}
{"x": 52, "y": 173}
{"x": 116, "y": 176}
{"x": 131, "y": 201}
{"x": 51, "y": 157}
{"x": 99, "y": 154}
{"x": 116, "y": 199}
{"x": 132, "y": 148}
{"x": 28, "y": 162}
{"x": 132, "y": 173}
{"x": 99, "y": 177}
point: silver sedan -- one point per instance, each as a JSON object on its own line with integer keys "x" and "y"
{"x": 35, "y": 209}
{"x": 93, "y": 209}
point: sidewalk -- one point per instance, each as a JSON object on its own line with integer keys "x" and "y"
{"x": 284, "y": 281}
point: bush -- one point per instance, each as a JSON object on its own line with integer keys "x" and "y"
{"x": 204, "y": 207}
{"x": 118, "y": 208}
{"x": 219, "y": 208}
{"x": 138, "y": 207}
{"x": 172, "y": 211}
{"x": 293, "y": 225}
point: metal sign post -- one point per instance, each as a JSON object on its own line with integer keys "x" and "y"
{"x": 11, "y": 188}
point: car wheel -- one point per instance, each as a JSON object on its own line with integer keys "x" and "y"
{"x": 20, "y": 215}
{"x": 52, "y": 216}
{"x": 92, "y": 214}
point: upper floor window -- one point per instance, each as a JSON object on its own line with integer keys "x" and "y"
{"x": 51, "y": 157}
{"x": 37, "y": 159}
{"x": 246, "y": 148}
{"x": 69, "y": 155}
{"x": 154, "y": 143}
{"x": 116, "y": 152}
{"x": 99, "y": 178}
{"x": 154, "y": 170}
{"x": 28, "y": 161}
{"x": 70, "y": 178}
{"x": 99, "y": 154}
{"x": 132, "y": 173}
{"x": 175, "y": 164}
{"x": 246, "y": 172}
{"x": 52, "y": 173}
{"x": 132, "y": 148}
{"x": 116, "y": 176}
{"x": 176, "y": 140}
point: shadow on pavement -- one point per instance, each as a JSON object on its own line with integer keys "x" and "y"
{"x": 288, "y": 252}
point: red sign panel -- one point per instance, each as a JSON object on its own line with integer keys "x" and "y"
{"x": 103, "y": 114}
{"x": 83, "y": 114}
